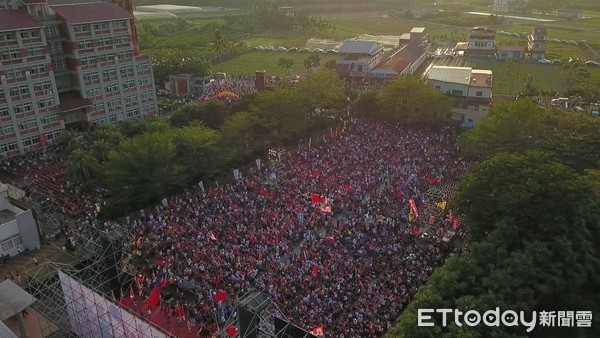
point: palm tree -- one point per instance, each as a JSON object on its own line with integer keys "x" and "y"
{"x": 70, "y": 139}
{"x": 220, "y": 44}
{"x": 82, "y": 167}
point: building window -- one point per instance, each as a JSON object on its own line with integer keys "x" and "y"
{"x": 457, "y": 92}
{"x": 478, "y": 93}
{"x": 59, "y": 64}
{"x": 5, "y": 148}
{"x": 38, "y": 69}
{"x": 55, "y": 48}
{"x": 28, "y": 142}
{"x": 27, "y": 124}
{"x": 51, "y": 31}
{"x": 4, "y": 112}
{"x": 7, "y": 36}
{"x": 33, "y": 52}
{"x": 7, "y": 129}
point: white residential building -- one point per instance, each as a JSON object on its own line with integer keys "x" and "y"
{"x": 472, "y": 89}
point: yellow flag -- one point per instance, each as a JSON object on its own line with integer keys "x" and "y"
{"x": 442, "y": 205}
{"x": 411, "y": 215}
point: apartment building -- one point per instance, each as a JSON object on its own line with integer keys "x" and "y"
{"x": 472, "y": 89}
{"x": 481, "y": 42}
{"x": 68, "y": 66}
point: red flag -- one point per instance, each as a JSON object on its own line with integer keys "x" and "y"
{"x": 455, "y": 224}
{"x": 212, "y": 191}
{"x": 140, "y": 278}
{"x": 318, "y": 331}
{"x": 131, "y": 295}
{"x": 450, "y": 217}
{"x": 252, "y": 238}
{"x": 161, "y": 262}
{"x": 231, "y": 330}
{"x": 317, "y": 199}
{"x": 438, "y": 179}
{"x": 329, "y": 239}
{"x": 315, "y": 270}
{"x": 338, "y": 128}
{"x": 347, "y": 186}
{"x": 163, "y": 283}
{"x": 441, "y": 232}
{"x": 415, "y": 231}
{"x": 264, "y": 192}
{"x": 180, "y": 312}
{"x": 212, "y": 236}
{"x": 334, "y": 134}
{"x": 154, "y": 298}
{"x": 126, "y": 302}
{"x": 431, "y": 219}
{"x": 218, "y": 296}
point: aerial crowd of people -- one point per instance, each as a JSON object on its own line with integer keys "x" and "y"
{"x": 313, "y": 238}
{"x": 325, "y": 233}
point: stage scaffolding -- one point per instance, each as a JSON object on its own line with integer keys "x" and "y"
{"x": 257, "y": 316}
{"x": 83, "y": 289}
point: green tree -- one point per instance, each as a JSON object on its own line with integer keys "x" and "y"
{"x": 70, "y": 140}
{"x": 412, "y": 99}
{"x": 310, "y": 63}
{"x": 82, "y": 167}
{"x": 286, "y": 63}
{"x": 143, "y": 170}
{"x": 198, "y": 152}
{"x": 212, "y": 113}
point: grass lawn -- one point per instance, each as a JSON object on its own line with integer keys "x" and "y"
{"x": 249, "y": 63}
{"x": 351, "y": 25}
{"x": 506, "y": 81}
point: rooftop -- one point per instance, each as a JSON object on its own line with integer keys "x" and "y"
{"x": 16, "y": 20}
{"x": 537, "y": 31}
{"x": 14, "y": 299}
{"x": 72, "y": 100}
{"x": 92, "y": 12}
{"x": 410, "y": 53}
{"x": 6, "y": 216}
{"x": 360, "y": 47}
{"x": 481, "y": 78}
{"x": 417, "y": 30}
{"x": 460, "y": 75}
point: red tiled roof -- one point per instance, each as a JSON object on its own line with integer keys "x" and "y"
{"x": 17, "y": 19}
{"x": 72, "y": 100}
{"x": 93, "y": 12}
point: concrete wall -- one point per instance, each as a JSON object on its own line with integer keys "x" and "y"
{"x": 29, "y": 230}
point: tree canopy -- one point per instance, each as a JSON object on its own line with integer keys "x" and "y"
{"x": 522, "y": 126}
{"x": 534, "y": 226}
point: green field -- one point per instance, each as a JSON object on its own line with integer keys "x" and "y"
{"x": 249, "y": 63}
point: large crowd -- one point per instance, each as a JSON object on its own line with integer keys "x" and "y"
{"x": 334, "y": 262}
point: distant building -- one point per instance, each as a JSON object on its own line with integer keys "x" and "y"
{"x": 68, "y": 65}
{"x": 418, "y": 10}
{"x": 187, "y": 84}
{"x": 18, "y": 228}
{"x": 511, "y": 52}
{"x": 481, "y": 42}
{"x": 504, "y": 6}
{"x": 366, "y": 60}
{"x": 472, "y": 89}
{"x": 569, "y": 13}
{"x": 357, "y": 59}
{"x": 536, "y": 43}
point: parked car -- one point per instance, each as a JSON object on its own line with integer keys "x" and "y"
{"x": 269, "y": 48}
{"x": 317, "y": 50}
{"x": 332, "y": 51}
{"x": 292, "y": 49}
{"x": 259, "y": 48}
{"x": 544, "y": 61}
{"x": 281, "y": 49}
{"x": 305, "y": 50}
{"x": 592, "y": 63}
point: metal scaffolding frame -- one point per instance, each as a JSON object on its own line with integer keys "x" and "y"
{"x": 265, "y": 320}
{"x": 97, "y": 271}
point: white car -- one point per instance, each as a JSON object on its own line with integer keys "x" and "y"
{"x": 269, "y": 48}
{"x": 317, "y": 50}
{"x": 544, "y": 61}
{"x": 281, "y": 49}
{"x": 259, "y": 48}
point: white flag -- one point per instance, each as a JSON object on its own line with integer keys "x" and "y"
{"x": 201, "y": 186}
{"x": 258, "y": 163}
{"x": 165, "y": 203}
